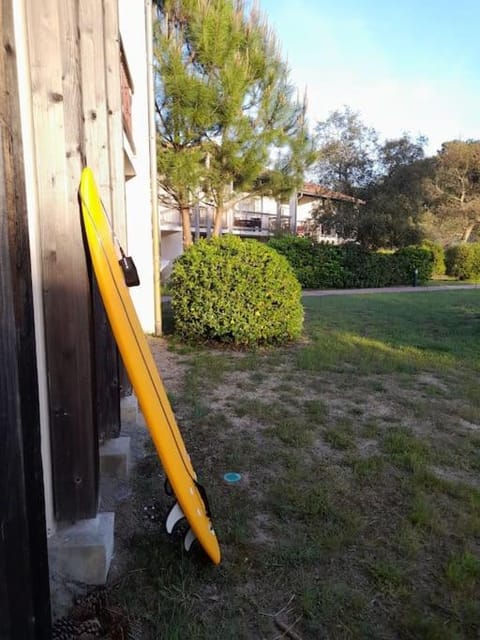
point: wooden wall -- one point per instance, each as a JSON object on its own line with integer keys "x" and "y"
{"x": 24, "y": 588}
{"x": 74, "y": 61}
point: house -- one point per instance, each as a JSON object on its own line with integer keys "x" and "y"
{"x": 316, "y": 196}
{"x": 75, "y": 89}
{"x": 257, "y": 217}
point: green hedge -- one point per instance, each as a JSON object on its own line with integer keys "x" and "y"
{"x": 438, "y": 252}
{"x": 463, "y": 261}
{"x": 326, "y": 266}
{"x": 238, "y": 291}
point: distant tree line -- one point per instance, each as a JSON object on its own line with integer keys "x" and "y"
{"x": 409, "y": 197}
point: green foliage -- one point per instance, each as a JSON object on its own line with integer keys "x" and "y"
{"x": 438, "y": 253}
{"x": 235, "y": 291}
{"x": 347, "y": 151}
{"x": 463, "y": 261}
{"x": 326, "y": 266}
{"x": 410, "y": 258}
{"x": 312, "y": 262}
{"x": 365, "y": 268}
{"x": 225, "y": 107}
{"x": 463, "y": 571}
{"x": 389, "y": 178}
{"x": 455, "y": 190}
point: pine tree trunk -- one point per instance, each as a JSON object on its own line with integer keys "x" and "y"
{"x": 468, "y": 232}
{"x": 186, "y": 226}
{"x": 218, "y": 224}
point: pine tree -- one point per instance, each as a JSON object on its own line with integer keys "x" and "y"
{"x": 228, "y": 118}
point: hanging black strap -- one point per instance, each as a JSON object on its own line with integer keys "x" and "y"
{"x": 129, "y": 270}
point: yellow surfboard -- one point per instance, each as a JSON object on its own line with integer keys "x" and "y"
{"x": 142, "y": 371}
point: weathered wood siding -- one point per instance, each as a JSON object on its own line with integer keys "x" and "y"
{"x": 96, "y": 140}
{"x": 76, "y": 122}
{"x": 24, "y": 589}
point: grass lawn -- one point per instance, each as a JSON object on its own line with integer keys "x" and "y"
{"x": 358, "y": 513}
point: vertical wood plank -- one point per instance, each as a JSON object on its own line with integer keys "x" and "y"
{"x": 14, "y": 541}
{"x": 98, "y": 156}
{"x": 66, "y": 284}
{"x": 94, "y": 95}
{"x": 115, "y": 142}
{"x": 97, "y": 153}
{"x": 114, "y": 118}
{"x": 24, "y": 596}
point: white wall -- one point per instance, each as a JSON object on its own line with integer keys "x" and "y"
{"x": 304, "y": 211}
{"x": 172, "y": 247}
{"x": 138, "y": 189}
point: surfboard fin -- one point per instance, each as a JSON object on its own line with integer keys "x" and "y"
{"x": 190, "y": 538}
{"x": 174, "y": 516}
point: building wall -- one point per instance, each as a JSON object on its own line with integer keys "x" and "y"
{"x": 71, "y": 116}
{"x": 26, "y": 117}
{"x": 304, "y": 216}
{"x": 24, "y": 588}
{"x": 172, "y": 247}
{"x": 138, "y": 191}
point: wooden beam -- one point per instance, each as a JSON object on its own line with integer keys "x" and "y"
{"x": 96, "y": 140}
{"x": 55, "y": 73}
{"x": 24, "y": 595}
{"x": 115, "y": 143}
{"x": 114, "y": 118}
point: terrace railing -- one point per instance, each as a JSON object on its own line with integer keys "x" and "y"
{"x": 242, "y": 222}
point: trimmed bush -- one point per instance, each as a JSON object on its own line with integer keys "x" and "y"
{"x": 365, "y": 268}
{"x": 237, "y": 291}
{"x": 463, "y": 261}
{"x": 326, "y": 266}
{"x": 410, "y": 258}
{"x": 438, "y": 256}
{"x": 312, "y": 262}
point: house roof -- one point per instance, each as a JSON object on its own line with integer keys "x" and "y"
{"x": 313, "y": 190}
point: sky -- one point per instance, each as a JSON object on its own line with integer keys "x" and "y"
{"x": 404, "y": 65}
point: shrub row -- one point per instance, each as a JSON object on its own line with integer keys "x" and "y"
{"x": 463, "y": 261}
{"x": 439, "y": 268}
{"x": 324, "y": 266}
{"x": 237, "y": 291}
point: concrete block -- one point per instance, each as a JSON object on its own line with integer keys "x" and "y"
{"x": 141, "y": 422}
{"x": 128, "y": 409}
{"x": 83, "y": 551}
{"x": 115, "y": 457}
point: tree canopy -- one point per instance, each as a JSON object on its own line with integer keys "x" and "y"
{"x": 455, "y": 190}
{"x": 396, "y": 201}
{"x": 347, "y": 150}
{"x": 408, "y": 196}
{"x": 388, "y": 177}
{"x": 229, "y": 119}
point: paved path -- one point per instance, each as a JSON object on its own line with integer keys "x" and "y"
{"x": 343, "y": 292}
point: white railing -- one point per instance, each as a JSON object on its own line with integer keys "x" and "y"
{"x": 245, "y": 222}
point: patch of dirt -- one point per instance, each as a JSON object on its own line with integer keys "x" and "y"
{"x": 432, "y": 381}
{"x": 367, "y": 447}
{"x": 470, "y": 427}
{"x": 170, "y": 366}
{"x": 457, "y": 475}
